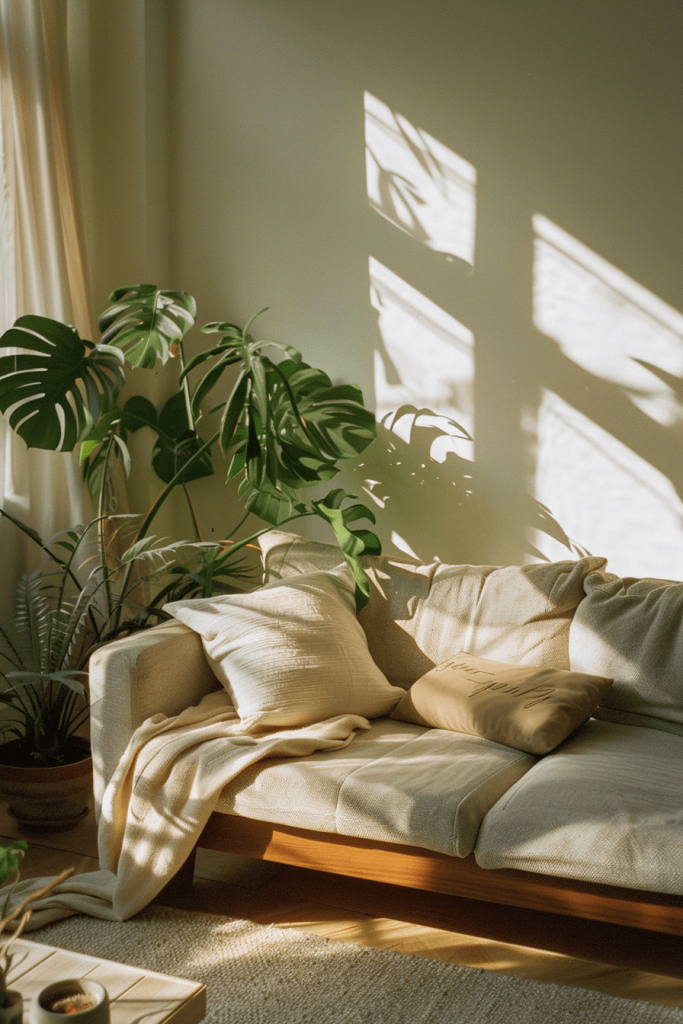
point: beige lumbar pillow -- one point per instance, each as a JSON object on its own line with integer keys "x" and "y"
{"x": 291, "y": 653}
{"x": 531, "y": 709}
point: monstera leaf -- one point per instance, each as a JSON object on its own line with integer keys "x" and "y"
{"x": 275, "y": 505}
{"x": 353, "y": 543}
{"x": 58, "y": 383}
{"x": 320, "y": 420}
{"x": 287, "y": 426}
{"x": 177, "y": 442}
{"x": 145, "y": 322}
{"x": 285, "y": 422}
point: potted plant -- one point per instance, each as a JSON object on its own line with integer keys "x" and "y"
{"x": 11, "y": 1004}
{"x": 64, "y": 612}
{"x": 285, "y": 428}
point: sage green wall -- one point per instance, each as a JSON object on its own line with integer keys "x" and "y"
{"x": 237, "y": 127}
{"x": 119, "y": 77}
{"x": 572, "y": 111}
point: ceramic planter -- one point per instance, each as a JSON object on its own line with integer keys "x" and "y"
{"x": 13, "y": 1012}
{"x": 62, "y": 991}
{"x": 47, "y": 798}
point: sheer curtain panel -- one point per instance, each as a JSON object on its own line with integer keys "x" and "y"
{"x": 41, "y": 259}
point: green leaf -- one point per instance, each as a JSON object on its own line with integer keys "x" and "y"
{"x": 176, "y": 443}
{"x": 353, "y": 543}
{"x": 101, "y": 431}
{"x": 234, "y": 409}
{"x": 273, "y": 505}
{"x": 65, "y": 677}
{"x": 125, "y": 454}
{"x": 230, "y": 330}
{"x": 209, "y": 353}
{"x": 208, "y": 381}
{"x": 138, "y": 412}
{"x": 55, "y": 370}
{"x": 228, "y": 357}
{"x": 299, "y": 468}
{"x": 154, "y": 550}
{"x": 145, "y": 322}
{"x": 168, "y": 459}
{"x": 10, "y": 858}
{"x": 331, "y": 419}
{"x": 173, "y": 419}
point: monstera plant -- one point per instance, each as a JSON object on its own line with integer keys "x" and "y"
{"x": 285, "y": 426}
{"x": 285, "y": 429}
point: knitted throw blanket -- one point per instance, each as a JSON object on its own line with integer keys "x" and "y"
{"x": 161, "y": 796}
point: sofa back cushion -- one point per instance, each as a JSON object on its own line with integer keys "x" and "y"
{"x": 421, "y": 615}
{"x": 632, "y": 630}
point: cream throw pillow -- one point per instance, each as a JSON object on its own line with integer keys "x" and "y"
{"x": 291, "y": 653}
{"x": 530, "y": 709}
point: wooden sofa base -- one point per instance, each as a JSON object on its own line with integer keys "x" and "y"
{"x": 436, "y": 872}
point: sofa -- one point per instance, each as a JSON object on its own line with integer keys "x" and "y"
{"x": 593, "y": 828}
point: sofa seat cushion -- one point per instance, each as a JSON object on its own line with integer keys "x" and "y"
{"x": 632, "y": 631}
{"x": 606, "y": 806}
{"x": 419, "y": 615}
{"x": 396, "y": 783}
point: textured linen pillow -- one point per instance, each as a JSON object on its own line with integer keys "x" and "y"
{"x": 291, "y": 653}
{"x": 530, "y": 709}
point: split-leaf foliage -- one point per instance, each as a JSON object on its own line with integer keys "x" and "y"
{"x": 285, "y": 429}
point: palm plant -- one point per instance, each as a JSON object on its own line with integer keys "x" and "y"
{"x": 41, "y": 692}
{"x": 63, "y": 613}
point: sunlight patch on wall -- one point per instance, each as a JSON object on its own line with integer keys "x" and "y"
{"x": 606, "y": 497}
{"x": 426, "y": 359}
{"x": 607, "y": 323}
{"x": 403, "y": 545}
{"x": 419, "y": 184}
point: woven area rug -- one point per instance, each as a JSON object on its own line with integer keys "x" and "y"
{"x": 257, "y": 975}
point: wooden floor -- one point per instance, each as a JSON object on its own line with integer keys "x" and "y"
{"x": 619, "y": 961}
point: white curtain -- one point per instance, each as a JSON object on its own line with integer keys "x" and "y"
{"x": 41, "y": 259}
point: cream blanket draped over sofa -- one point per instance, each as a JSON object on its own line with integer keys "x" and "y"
{"x": 161, "y": 796}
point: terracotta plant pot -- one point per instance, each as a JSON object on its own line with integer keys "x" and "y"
{"x": 47, "y": 799}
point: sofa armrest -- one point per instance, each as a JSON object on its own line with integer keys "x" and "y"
{"x": 158, "y": 670}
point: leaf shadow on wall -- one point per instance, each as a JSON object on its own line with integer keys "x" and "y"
{"x": 432, "y": 507}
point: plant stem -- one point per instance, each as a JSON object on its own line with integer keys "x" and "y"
{"x": 193, "y": 514}
{"x": 147, "y": 521}
{"x": 101, "y": 529}
{"x": 149, "y": 518}
{"x": 186, "y": 388}
{"x": 242, "y": 520}
{"x": 193, "y": 426}
{"x": 19, "y": 910}
{"x": 19, "y": 663}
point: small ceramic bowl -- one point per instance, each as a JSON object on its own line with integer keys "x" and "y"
{"x": 98, "y": 1013}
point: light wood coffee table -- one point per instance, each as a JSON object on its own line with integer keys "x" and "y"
{"x": 135, "y": 995}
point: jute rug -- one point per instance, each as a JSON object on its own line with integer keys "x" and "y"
{"x": 257, "y": 975}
